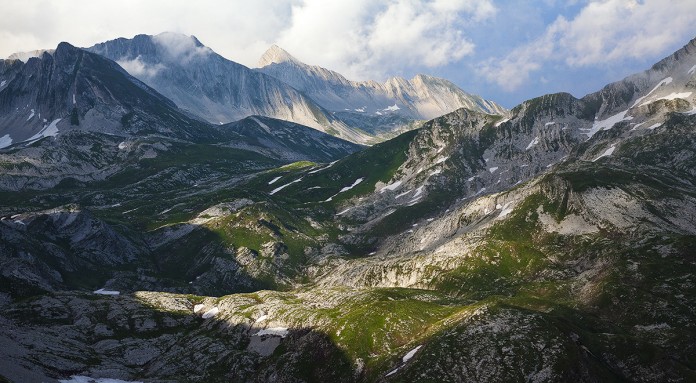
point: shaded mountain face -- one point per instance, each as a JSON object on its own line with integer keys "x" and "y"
{"x": 75, "y": 89}
{"x": 377, "y": 107}
{"x": 286, "y": 140}
{"x": 552, "y": 244}
{"x": 213, "y": 88}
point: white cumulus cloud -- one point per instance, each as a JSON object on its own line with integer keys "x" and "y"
{"x": 603, "y": 32}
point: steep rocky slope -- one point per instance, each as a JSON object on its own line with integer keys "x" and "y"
{"x": 556, "y": 244}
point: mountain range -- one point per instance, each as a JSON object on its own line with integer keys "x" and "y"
{"x": 143, "y": 240}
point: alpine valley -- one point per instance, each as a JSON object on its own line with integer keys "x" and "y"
{"x": 168, "y": 215}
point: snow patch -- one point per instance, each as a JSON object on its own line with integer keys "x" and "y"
{"x": 549, "y": 123}
{"x": 274, "y": 331}
{"x": 607, "y": 124}
{"x": 402, "y": 194}
{"x": 470, "y": 179}
{"x": 344, "y": 211}
{"x": 73, "y": 99}
{"x": 692, "y": 70}
{"x": 501, "y": 122}
{"x": 606, "y": 153}
{"x": 31, "y": 115}
{"x": 419, "y": 191}
{"x": 48, "y": 130}
{"x": 361, "y": 110}
{"x": 345, "y": 189}
{"x": 3, "y": 83}
{"x": 435, "y": 172}
{"x": 271, "y": 182}
{"x": 391, "y": 187}
{"x": 441, "y": 160}
{"x": 531, "y": 144}
{"x": 324, "y": 168}
{"x": 276, "y": 190}
{"x": 392, "y": 108}
{"x": 106, "y": 292}
{"x": 261, "y": 318}
{"x": 5, "y": 141}
{"x": 210, "y": 313}
{"x": 122, "y": 145}
{"x": 493, "y": 169}
{"x": 198, "y": 308}
{"x": 507, "y": 209}
{"x": 651, "y": 127}
{"x": 410, "y": 354}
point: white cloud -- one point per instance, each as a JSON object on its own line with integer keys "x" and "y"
{"x": 362, "y": 38}
{"x": 138, "y": 68}
{"x": 180, "y": 47}
{"x": 603, "y": 32}
{"x": 368, "y": 39}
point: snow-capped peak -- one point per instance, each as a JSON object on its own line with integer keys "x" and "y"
{"x": 276, "y": 55}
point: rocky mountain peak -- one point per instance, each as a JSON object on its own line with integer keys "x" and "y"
{"x": 276, "y": 55}
{"x": 25, "y": 56}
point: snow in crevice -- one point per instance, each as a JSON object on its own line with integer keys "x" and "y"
{"x": 441, "y": 160}
{"x": 549, "y": 123}
{"x": 106, "y": 292}
{"x": 3, "y": 83}
{"x": 403, "y": 194}
{"x": 271, "y": 182}
{"x": 654, "y": 126}
{"x": 534, "y": 142}
{"x": 659, "y": 84}
{"x": 501, "y": 122}
{"x": 355, "y": 183}
{"x": 691, "y": 71}
{"x": 31, "y": 115}
{"x": 410, "y": 354}
{"x": 344, "y": 211}
{"x": 418, "y": 193}
{"x": 493, "y": 169}
{"x": 345, "y": 189}
{"x": 324, "y": 168}
{"x": 606, "y": 153}
{"x": 276, "y": 190}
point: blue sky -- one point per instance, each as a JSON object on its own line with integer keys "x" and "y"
{"x": 507, "y": 51}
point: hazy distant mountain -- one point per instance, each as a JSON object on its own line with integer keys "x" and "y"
{"x": 213, "y": 88}
{"x": 421, "y": 98}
